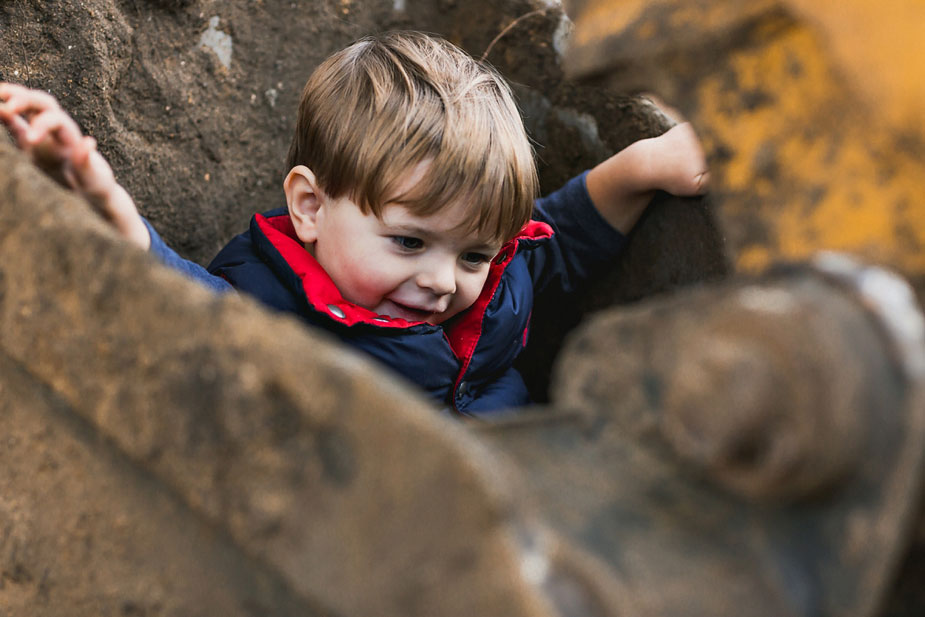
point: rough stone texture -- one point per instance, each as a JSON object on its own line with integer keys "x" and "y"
{"x": 85, "y": 531}
{"x": 168, "y": 114}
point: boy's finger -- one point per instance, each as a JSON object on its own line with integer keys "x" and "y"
{"x": 82, "y": 151}
{"x": 25, "y": 101}
{"x": 670, "y": 112}
{"x": 56, "y": 125}
{"x": 7, "y": 89}
{"x": 9, "y": 86}
{"x": 89, "y": 175}
{"x": 18, "y": 129}
{"x": 94, "y": 174}
{"x": 38, "y": 99}
{"x": 16, "y": 124}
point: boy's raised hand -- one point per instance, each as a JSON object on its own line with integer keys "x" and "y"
{"x": 678, "y": 163}
{"x": 622, "y": 186}
{"x": 55, "y": 143}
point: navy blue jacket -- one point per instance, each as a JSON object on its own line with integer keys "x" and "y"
{"x": 466, "y": 363}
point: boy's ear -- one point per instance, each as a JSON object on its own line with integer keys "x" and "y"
{"x": 304, "y": 198}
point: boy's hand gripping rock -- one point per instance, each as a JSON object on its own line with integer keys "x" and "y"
{"x": 678, "y": 163}
{"x": 622, "y": 186}
{"x": 55, "y": 144}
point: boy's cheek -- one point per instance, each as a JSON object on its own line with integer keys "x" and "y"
{"x": 467, "y": 298}
{"x": 372, "y": 281}
{"x": 478, "y": 283}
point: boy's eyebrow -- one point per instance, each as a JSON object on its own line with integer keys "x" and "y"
{"x": 411, "y": 230}
{"x": 415, "y": 230}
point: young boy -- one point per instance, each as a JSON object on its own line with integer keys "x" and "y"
{"x": 408, "y": 230}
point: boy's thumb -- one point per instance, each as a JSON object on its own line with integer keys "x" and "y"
{"x": 701, "y": 183}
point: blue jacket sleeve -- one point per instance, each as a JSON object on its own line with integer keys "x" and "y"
{"x": 192, "y": 270}
{"x": 500, "y": 398}
{"x": 583, "y": 242}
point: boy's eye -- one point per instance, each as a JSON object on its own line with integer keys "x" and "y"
{"x": 408, "y": 243}
{"x": 475, "y": 259}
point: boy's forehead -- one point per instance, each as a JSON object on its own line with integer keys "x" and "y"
{"x": 457, "y": 213}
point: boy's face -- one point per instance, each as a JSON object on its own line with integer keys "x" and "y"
{"x": 402, "y": 265}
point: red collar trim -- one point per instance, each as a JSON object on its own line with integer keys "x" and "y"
{"x": 317, "y": 286}
{"x": 464, "y": 334}
{"x": 321, "y": 293}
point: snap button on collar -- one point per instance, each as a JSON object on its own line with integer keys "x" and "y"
{"x": 336, "y": 311}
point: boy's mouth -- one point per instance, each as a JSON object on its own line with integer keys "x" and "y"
{"x": 408, "y": 313}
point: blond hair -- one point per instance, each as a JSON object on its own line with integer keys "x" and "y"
{"x": 371, "y": 113}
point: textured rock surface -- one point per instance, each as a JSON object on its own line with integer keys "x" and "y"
{"x": 85, "y": 531}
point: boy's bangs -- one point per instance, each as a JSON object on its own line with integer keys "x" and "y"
{"x": 493, "y": 208}
{"x": 482, "y": 167}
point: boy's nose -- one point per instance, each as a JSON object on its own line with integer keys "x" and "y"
{"x": 439, "y": 277}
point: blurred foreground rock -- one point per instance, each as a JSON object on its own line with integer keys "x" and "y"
{"x": 296, "y": 464}
{"x": 243, "y": 464}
